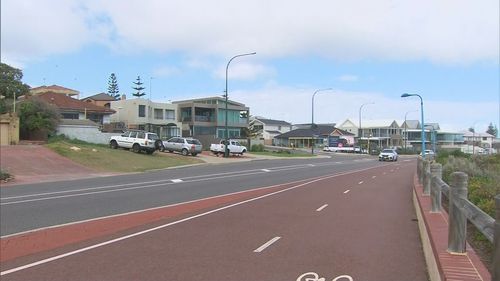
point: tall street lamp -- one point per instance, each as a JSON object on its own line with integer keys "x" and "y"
{"x": 405, "y": 95}
{"x": 226, "y": 150}
{"x": 406, "y": 127}
{"x": 360, "y": 129}
{"x": 312, "y": 116}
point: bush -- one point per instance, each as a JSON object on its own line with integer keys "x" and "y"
{"x": 4, "y": 175}
{"x": 257, "y": 148}
{"x": 484, "y": 179}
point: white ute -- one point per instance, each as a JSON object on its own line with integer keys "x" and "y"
{"x": 234, "y": 147}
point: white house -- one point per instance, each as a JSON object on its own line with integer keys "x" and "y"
{"x": 268, "y": 128}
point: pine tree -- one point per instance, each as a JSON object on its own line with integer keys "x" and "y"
{"x": 492, "y": 130}
{"x": 138, "y": 87}
{"x": 113, "y": 90}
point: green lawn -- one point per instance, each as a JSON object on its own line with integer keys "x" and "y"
{"x": 105, "y": 159}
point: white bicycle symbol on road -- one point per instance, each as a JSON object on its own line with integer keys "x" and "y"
{"x": 313, "y": 276}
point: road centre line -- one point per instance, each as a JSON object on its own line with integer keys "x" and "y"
{"x": 361, "y": 182}
{"x": 321, "y": 208}
{"x": 160, "y": 183}
{"x": 347, "y": 191}
{"x": 152, "y": 182}
{"x": 267, "y": 244}
{"x": 88, "y": 248}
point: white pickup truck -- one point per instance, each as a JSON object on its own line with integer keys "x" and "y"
{"x": 234, "y": 147}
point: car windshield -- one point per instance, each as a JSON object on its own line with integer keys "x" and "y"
{"x": 193, "y": 141}
{"x": 388, "y": 151}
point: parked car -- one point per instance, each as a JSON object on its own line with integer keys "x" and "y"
{"x": 185, "y": 146}
{"x": 428, "y": 152}
{"x": 234, "y": 147}
{"x": 388, "y": 155}
{"x": 136, "y": 140}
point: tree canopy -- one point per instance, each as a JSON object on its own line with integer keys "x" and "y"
{"x": 138, "y": 87}
{"x": 10, "y": 82}
{"x": 492, "y": 130}
{"x": 113, "y": 89}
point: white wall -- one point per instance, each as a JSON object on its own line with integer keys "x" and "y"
{"x": 85, "y": 133}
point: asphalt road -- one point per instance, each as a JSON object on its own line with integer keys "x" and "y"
{"x": 69, "y": 201}
{"x": 351, "y": 220}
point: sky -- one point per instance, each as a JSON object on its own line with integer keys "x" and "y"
{"x": 446, "y": 51}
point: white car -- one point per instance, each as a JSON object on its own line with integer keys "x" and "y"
{"x": 428, "y": 152}
{"x": 388, "y": 155}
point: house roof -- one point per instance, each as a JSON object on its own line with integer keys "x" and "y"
{"x": 273, "y": 132}
{"x": 477, "y": 135}
{"x": 68, "y": 103}
{"x": 411, "y": 124}
{"x": 273, "y": 122}
{"x": 322, "y": 130}
{"x": 100, "y": 97}
{"x": 378, "y": 123}
{"x": 54, "y": 89}
{"x": 209, "y": 98}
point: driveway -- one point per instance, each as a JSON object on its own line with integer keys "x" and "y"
{"x": 36, "y": 163}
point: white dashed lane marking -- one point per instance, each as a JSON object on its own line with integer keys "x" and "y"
{"x": 321, "y": 208}
{"x": 267, "y": 244}
{"x": 176, "y": 180}
{"x": 345, "y": 192}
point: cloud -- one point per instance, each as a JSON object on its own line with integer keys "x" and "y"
{"x": 348, "y": 78}
{"x": 447, "y": 31}
{"x": 165, "y": 71}
{"x": 244, "y": 71}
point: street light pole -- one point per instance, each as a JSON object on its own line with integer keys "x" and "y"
{"x": 360, "y": 129}
{"x": 226, "y": 150}
{"x": 405, "y": 95}
{"x": 312, "y": 117}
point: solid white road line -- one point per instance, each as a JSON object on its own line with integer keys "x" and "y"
{"x": 267, "y": 244}
{"x": 361, "y": 182}
{"x": 265, "y": 170}
{"x": 321, "y": 208}
{"x": 177, "y": 180}
{"x": 99, "y": 245}
{"x": 347, "y": 191}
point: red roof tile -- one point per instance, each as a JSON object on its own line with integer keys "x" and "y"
{"x": 64, "y": 102}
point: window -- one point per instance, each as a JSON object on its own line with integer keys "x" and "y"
{"x": 169, "y": 114}
{"x": 142, "y": 110}
{"x": 133, "y": 134}
{"x": 140, "y": 135}
{"x": 70, "y": 116}
{"x": 158, "y": 113}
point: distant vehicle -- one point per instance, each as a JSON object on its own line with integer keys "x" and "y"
{"x": 351, "y": 149}
{"x": 428, "y": 152}
{"x": 135, "y": 140}
{"x": 185, "y": 146}
{"x": 234, "y": 147}
{"x": 388, "y": 155}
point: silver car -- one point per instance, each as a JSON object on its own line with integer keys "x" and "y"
{"x": 185, "y": 146}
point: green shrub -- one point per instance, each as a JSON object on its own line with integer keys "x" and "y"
{"x": 4, "y": 175}
{"x": 257, "y": 148}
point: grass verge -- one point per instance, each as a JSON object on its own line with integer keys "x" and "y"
{"x": 104, "y": 159}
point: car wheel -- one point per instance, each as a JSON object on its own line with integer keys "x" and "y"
{"x": 162, "y": 148}
{"x": 136, "y": 148}
{"x": 184, "y": 152}
{"x": 243, "y": 152}
{"x": 194, "y": 153}
{"x": 150, "y": 152}
{"x": 113, "y": 144}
